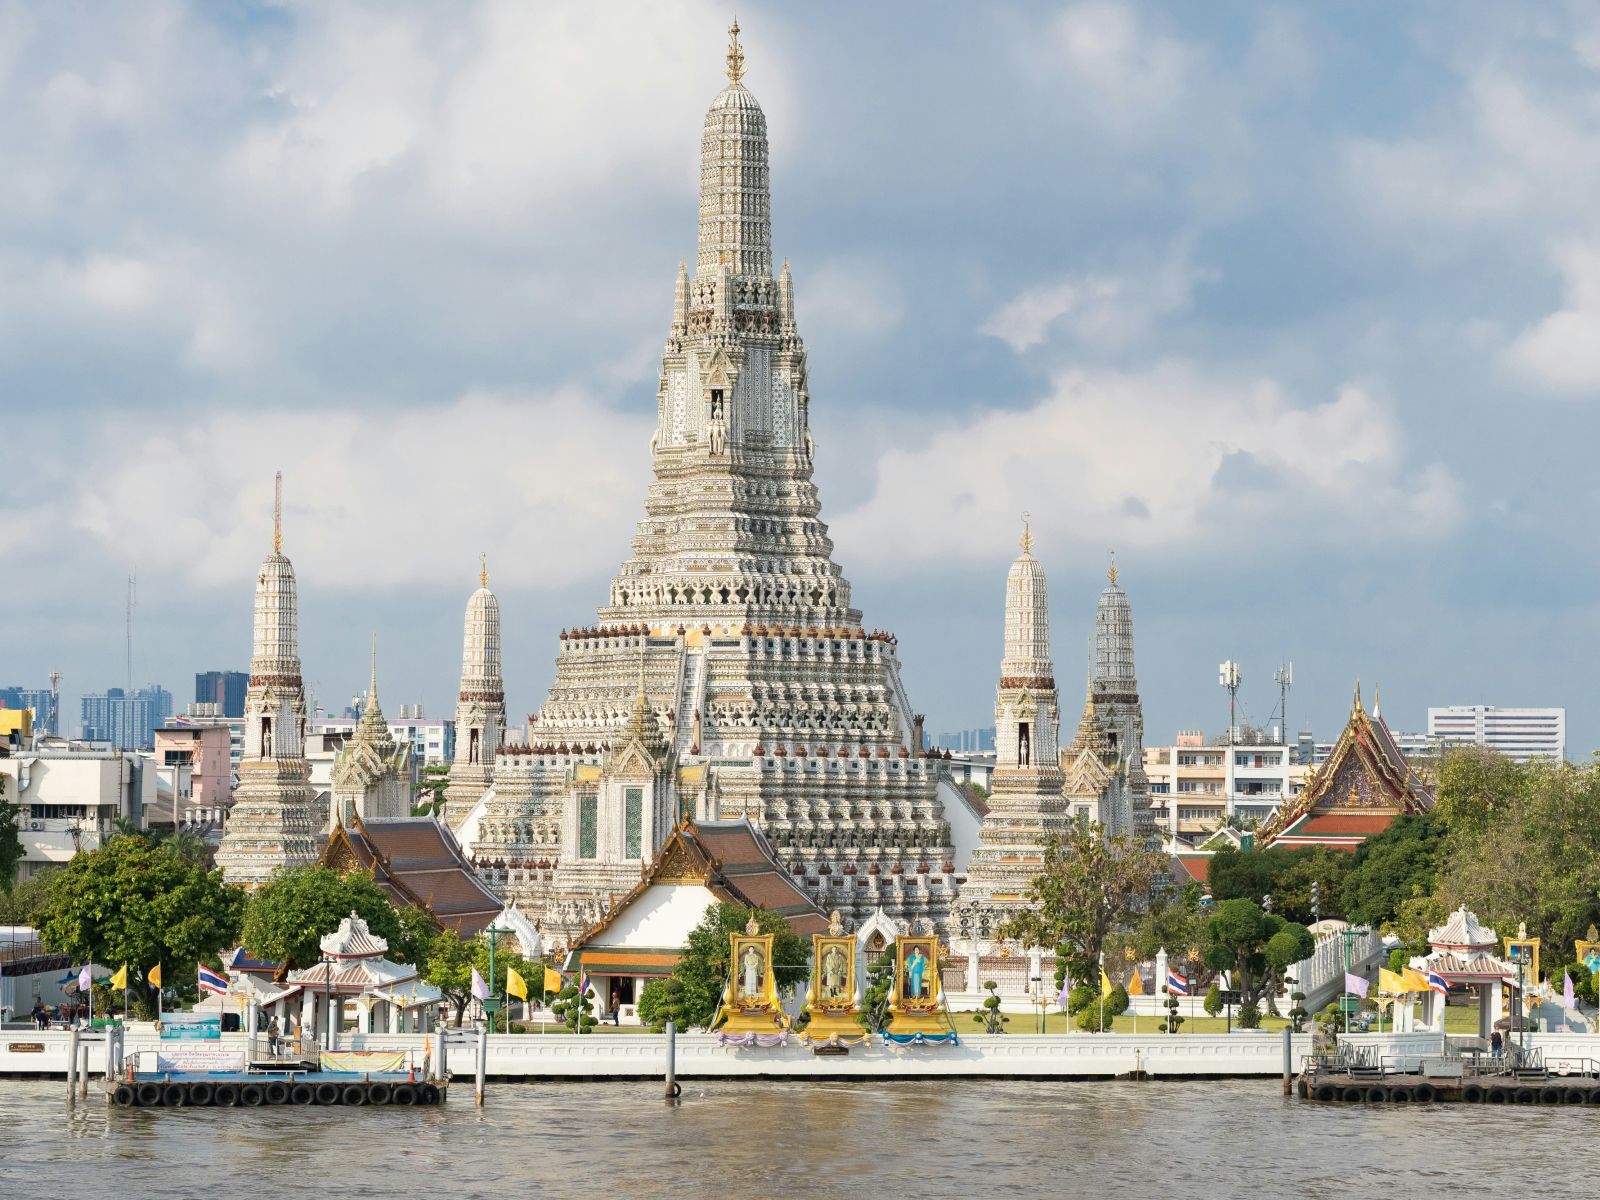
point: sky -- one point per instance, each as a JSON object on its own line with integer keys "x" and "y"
{"x": 1296, "y": 307}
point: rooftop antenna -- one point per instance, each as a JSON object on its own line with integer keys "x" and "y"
{"x": 1228, "y": 677}
{"x": 1284, "y": 678}
{"x": 55, "y": 702}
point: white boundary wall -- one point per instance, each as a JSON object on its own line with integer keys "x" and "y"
{"x": 633, "y": 1056}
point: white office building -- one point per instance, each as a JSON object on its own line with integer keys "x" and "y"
{"x": 1518, "y": 733}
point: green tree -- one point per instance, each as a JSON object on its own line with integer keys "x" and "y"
{"x": 25, "y": 903}
{"x": 1254, "y": 946}
{"x": 1285, "y": 875}
{"x": 290, "y": 914}
{"x": 702, "y": 971}
{"x": 575, "y": 1009}
{"x": 429, "y": 800}
{"x": 133, "y": 903}
{"x": 418, "y": 931}
{"x": 1213, "y": 1000}
{"x": 879, "y": 992}
{"x": 1392, "y": 867}
{"x": 662, "y": 1000}
{"x": 10, "y": 839}
{"x": 989, "y": 1014}
{"x": 448, "y": 966}
{"x": 1091, "y": 883}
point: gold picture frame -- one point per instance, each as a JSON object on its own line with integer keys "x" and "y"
{"x": 751, "y": 986}
{"x": 916, "y": 973}
{"x": 833, "y": 977}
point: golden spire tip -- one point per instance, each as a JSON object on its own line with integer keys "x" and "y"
{"x": 277, "y": 512}
{"x": 735, "y": 54}
{"x": 1111, "y": 572}
{"x": 483, "y": 570}
{"x": 1027, "y": 536}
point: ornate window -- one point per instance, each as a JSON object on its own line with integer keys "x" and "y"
{"x": 633, "y": 805}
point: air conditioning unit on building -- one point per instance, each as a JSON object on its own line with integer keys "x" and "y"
{"x": 36, "y": 825}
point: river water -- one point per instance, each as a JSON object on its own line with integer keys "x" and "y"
{"x": 730, "y": 1140}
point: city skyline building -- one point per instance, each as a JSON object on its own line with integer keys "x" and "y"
{"x": 1520, "y": 734}
{"x": 225, "y": 689}
{"x": 124, "y": 720}
{"x": 40, "y": 701}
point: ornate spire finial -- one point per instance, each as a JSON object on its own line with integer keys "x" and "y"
{"x": 735, "y": 55}
{"x": 372, "y": 690}
{"x": 1377, "y": 699}
{"x": 1111, "y": 571}
{"x": 483, "y": 569}
{"x": 1027, "y": 536}
{"x": 277, "y": 513}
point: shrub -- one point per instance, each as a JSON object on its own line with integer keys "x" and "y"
{"x": 1096, "y": 1018}
{"x": 1249, "y": 1017}
{"x": 1213, "y": 1004}
{"x": 1117, "y": 1002}
{"x": 990, "y": 1016}
{"x": 1079, "y": 998}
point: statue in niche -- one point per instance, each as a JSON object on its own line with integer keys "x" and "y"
{"x": 1023, "y": 748}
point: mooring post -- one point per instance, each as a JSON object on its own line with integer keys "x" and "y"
{"x": 483, "y": 1058}
{"x": 673, "y": 1090}
{"x": 441, "y": 1064}
{"x": 72, "y": 1067}
{"x": 1288, "y": 1058}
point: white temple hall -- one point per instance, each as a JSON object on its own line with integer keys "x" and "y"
{"x": 728, "y": 675}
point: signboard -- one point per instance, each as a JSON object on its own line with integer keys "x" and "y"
{"x": 25, "y": 1047}
{"x": 191, "y": 1027}
{"x": 199, "y": 1058}
{"x": 1232, "y": 998}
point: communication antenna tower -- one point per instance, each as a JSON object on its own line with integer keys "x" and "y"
{"x": 1228, "y": 676}
{"x": 1284, "y": 678}
{"x": 55, "y": 703}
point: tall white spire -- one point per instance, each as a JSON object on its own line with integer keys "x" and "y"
{"x": 735, "y": 191}
{"x": 1027, "y": 636}
{"x": 480, "y": 704}
{"x": 269, "y": 824}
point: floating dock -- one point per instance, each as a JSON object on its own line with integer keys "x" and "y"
{"x": 1522, "y": 1077}
{"x": 248, "y": 1089}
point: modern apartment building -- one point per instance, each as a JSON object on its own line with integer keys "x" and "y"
{"x": 123, "y": 720}
{"x": 225, "y": 689}
{"x": 39, "y": 700}
{"x": 1518, "y": 733}
{"x": 70, "y": 798}
{"x": 1196, "y": 787}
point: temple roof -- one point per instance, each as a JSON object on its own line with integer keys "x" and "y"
{"x": 353, "y": 939}
{"x": 733, "y": 861}
{"x": 1365, "y": 783}
{"x": 1462, "y": 931}
{"x": 416, "y": 861}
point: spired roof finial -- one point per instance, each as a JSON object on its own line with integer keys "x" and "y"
{"x": 735, "y": 54}
{"x": 483, "y": 569}
{"x": 1111, "y": 571}
{"x": 277, "y": 512}
{"x": 1027, "y": 536}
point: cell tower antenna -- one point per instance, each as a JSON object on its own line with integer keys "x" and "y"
{"x": 1284, "y": 678}
{"x": 55, "y": 703}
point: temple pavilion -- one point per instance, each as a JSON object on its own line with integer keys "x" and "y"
{"x": 388, "y": 997}
{"x": 1462, "y": 951}
{"x": 643, "y": 934}
{"x": 1364, "y": 785}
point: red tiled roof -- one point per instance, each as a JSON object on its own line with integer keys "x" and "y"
{"x": 1197, "y": 865}
{"x": 416, "y": 861}
{"x": 1339, "y": 824}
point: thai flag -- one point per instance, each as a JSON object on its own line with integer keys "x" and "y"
{"x": 1438, "y": 983}
{"x": 1177, "y": 984}
{"x": 210, "y": 981}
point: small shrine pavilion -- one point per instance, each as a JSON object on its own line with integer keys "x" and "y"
{"x": 1461, "y": 951}
{"x": 1365, "y": 784}
{"x": 388, "y": 996}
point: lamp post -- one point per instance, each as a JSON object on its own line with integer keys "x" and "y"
{"x": 327, "y": 1002}
{"x": 492, "y": 1003}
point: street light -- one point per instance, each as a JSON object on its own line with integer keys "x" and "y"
{"x": 492, "y": 1004}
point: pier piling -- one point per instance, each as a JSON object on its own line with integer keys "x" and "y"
{"x": 673, "y": 1088}
{"x": 483, "y": 1058}
{"x": 1288, "y": 1060}
{"x": 72, "y": 1067}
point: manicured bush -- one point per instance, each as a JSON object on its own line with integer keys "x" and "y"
{"x": 1213, "y": 1003}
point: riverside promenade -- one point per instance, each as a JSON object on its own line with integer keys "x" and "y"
{"x": 699, "y": 1056}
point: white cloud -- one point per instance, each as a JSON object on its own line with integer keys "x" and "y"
{"x": 1130, "y": 79}
{"x": 546, "y": 484}
{"x": 1561, "y": 353}
{"x": 856, "y": 297}
{"x": 1106, "y": 310}
{"x": 1170, "y": 457}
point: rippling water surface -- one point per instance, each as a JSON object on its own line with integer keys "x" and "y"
{"x": 731, "y": 1140}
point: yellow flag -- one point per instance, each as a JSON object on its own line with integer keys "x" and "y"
{"x": 1136, "y": 985}
{"x": 120, "y": 979}
{"x": 515, "y": 984}
{"x": 155, "y": 975}
{"x": 1105, "y": 984}
{"x": 1391, "y": 984}
{"x": 552, "y": 980}
{"x": 1414, "y": 980}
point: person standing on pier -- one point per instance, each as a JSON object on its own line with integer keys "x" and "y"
{"x": 274, "y": 1032}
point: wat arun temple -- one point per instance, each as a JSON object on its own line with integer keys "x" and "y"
{"x": 728, "y": 675}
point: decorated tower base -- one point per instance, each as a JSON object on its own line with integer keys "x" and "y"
{"x": 918, "y": 1016}
{"x": 750, "y": 1014}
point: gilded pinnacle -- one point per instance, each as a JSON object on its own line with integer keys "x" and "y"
{"x": 483, "y": 570}
{"x": 1111, "y": 571}
{"x": 735, "y": 55}
{"x": 1027, "y": 536}
{"x": 277, "y": 512}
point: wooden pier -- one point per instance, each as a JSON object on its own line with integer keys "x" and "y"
{"x": 1520, "y": 1077}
